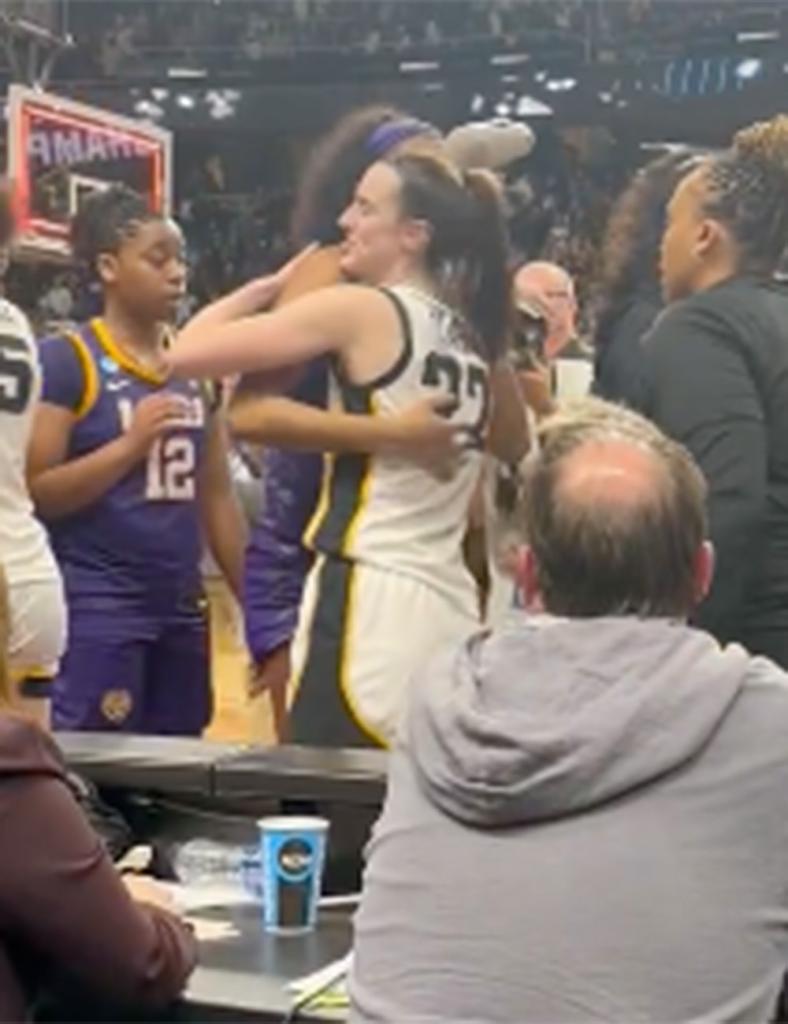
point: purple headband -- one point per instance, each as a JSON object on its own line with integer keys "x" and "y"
{"x": 391, "y": 133}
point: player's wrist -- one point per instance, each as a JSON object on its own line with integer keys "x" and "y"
{"x": 391, "y": 435}
{"x": 255, "y": 296}
{"x": 130, "y": 447}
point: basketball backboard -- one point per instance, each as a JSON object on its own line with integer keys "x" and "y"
{"x": 60, "y": 151}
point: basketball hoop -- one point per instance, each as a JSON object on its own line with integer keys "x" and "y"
{"x": 31, "y": 49}
{"x": 61, "y": 151}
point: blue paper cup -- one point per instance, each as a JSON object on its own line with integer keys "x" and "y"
{"x": 292, "y": 855}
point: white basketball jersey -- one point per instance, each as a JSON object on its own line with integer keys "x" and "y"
{"x": 391, "y": 513}
{"x": 24, "y": 548}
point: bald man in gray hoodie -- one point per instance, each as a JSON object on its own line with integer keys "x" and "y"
{"x": 587, "y": 815}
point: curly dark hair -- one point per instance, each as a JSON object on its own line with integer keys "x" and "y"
{"x": 630, "y": 250}
{"x": 105, "y": 221}
{"x": 747, "y": 191}
{"x": 334, "y": 168}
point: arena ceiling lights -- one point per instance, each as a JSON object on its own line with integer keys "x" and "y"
{"x": 219, "y": 104}
{"x": 560, "y": 84}
{"x": 184, "y": 74}
{"x": 508, "y": 60}
{"x": 750, "y": 67}
{"x": 411, "y": 67}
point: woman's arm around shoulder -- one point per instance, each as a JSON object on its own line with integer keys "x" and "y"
{"x": 235, "y": 339}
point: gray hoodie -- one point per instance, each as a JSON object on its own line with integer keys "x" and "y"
{"x": 586, "y": 820}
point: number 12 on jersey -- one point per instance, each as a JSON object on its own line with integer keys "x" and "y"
{"x": 171, "y": 464}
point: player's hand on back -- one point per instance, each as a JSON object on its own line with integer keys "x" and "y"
{"x": 153, "y": 416}
{"x": 423, "y": 434}
{"x": 265, "y": 290}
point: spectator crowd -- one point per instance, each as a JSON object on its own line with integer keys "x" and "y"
{"x": 127, "y": 38}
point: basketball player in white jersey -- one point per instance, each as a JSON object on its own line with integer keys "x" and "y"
{"x": 35, "y": 589}
{"x": 389, "y": 584}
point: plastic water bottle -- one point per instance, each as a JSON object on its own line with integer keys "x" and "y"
{"x": 205, "y": 862}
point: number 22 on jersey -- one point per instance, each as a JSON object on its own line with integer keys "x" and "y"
{"x": 171, "y": 464}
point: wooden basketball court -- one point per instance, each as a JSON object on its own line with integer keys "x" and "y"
{"x": 236, "y": 718}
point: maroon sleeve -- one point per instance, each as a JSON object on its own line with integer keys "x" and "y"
{"x": 61, "y": 895}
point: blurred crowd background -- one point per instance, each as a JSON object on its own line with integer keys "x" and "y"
{"x": 246, "y": 85}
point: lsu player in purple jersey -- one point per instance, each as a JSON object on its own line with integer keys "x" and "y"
{"x": 129, "y": 472}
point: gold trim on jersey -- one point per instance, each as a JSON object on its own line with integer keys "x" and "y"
{"x": 335, "y": 521}
{"x": 364, "y": 490}
{"x": 330, "y": 652}
{"x": 122, "y": 358}
{"x": 294, "y": 682}
{"x": 345, "y": 661}
{"x": 90, "y": 377}
{"x": 37, "y": 672}
{"x": 346, "y": 613}
{"x": 323, "y": 501}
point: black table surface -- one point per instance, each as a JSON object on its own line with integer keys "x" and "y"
{"x": 315, "y": 773}
{"x": 243, "y": 977}
{"x": 174, "y": 764}
{"x": 225, "y": 770}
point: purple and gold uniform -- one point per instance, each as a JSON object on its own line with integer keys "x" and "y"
{"x": 138, "y": 658}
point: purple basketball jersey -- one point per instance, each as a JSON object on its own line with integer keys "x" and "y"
{"x": 142, "y": 538}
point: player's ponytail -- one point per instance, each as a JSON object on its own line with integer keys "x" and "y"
{"x": 467, "y": 250}
{"x": 489, "y": 282}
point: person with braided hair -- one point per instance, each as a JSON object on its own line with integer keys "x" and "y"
{"x": 716, "y": 374}
{"x": 128, "y": 470}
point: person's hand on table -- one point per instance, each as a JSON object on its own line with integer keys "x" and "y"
{"x": 143, "y": 889}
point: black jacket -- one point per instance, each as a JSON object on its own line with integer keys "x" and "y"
{"x": 716, "y": 379}
{"x": 618, "y": 347}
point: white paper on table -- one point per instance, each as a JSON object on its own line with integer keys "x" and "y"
{"x": 190, "y": 898}
{"x": 350, "y": 899}
{"x": 138, "y": 858}
{"x": 207, "y": 930}
{"x": 319, "y": 980}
